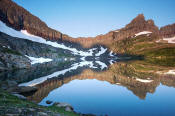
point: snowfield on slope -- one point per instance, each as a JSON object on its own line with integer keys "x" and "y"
{"x": 143, "y": 33}
{"x": 55, "y": 74}
{"x": 170, "y": 40}
{"x": 171, "y": 72}
{"x": 144, "y": 80}
{"x": 102, "y": 65}
{"x": 102, "y": 51}
{"x": 23, "y": 34}
{"x": 38, "y": 60}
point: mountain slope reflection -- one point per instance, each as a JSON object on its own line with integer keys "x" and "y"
{"x": 119, "y": 74}
{"x": 75, "y": 67}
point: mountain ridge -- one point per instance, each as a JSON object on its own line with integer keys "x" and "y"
{"x": 18, "y": 18}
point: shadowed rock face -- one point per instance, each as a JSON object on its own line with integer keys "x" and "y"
{"x": 13, "y": 51}
{"x": 168, "y": 31}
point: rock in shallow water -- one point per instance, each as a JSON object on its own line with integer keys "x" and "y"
{"x": 48, "y": 102}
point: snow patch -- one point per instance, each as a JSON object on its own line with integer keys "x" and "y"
{"x": 102, "y": 51}
{"x": 83, "y": 58}
{"x": 111, "y": 62}
{"x": 55, "y": 74}
{"x": 158, "y": 41}
{"x": 38, "y": 60}
{"x": 103, "y": 65}
{"x": 143, "y": 33}
{"x": 170, "y": 40}
{"x": 143, "y": 80}
{"x": 111, "y": 53}
{"x": 171, "y": 72}
{"x": 23, "y": 34}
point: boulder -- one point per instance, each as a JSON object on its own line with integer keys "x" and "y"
{"x": 69, "y": 109}
{"x": 66, "y": 106}
{"x": 19, "y": 96}
{"x": 63, "y": 105}
{"x": 42, "y": 114}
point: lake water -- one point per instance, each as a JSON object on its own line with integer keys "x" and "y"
{"x": 101, "y": 97}
{"x": 117, "y": 88}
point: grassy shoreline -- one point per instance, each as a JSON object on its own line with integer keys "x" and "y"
{"x": 8, "y": 101}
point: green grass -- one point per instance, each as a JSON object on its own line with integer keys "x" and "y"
{"x": 163, "y": 52}
{"x": 146, "y": 46}
{"x": 12, "y": 101}
{"x": 166, "y": 62}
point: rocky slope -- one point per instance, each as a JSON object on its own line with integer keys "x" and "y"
{"x": 13, "y": 52}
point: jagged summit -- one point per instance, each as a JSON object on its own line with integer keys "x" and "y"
{"x": 137, "y": 25}
{"x": 140, "y": 18}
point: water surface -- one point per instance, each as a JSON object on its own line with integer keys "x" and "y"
{"x": 101, "y": 97}
{"x": 112, "y": 87}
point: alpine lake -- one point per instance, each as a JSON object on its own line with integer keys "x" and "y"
{"x": 111, "y": 87}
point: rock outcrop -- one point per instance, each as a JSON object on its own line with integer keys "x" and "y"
{"x": 13, "y": 61}
{"x": 168, "y": 31}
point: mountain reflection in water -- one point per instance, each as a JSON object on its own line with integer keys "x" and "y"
{"x": 132, "y": 86}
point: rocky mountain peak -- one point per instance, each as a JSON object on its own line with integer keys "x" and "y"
{"x": 150, "y": 22}
{"x": 139, "y": 19}
{"x": 137, "y": 25}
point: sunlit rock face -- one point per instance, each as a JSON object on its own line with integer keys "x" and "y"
{"x": 168, "y": 31}
{"x": 19, "y": 18}
{"x": 137, "y": 25}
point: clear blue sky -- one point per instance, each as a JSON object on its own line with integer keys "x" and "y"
{"x": 92, "y": 17}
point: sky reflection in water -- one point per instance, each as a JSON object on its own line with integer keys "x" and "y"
{"x": 101, "y": 97}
